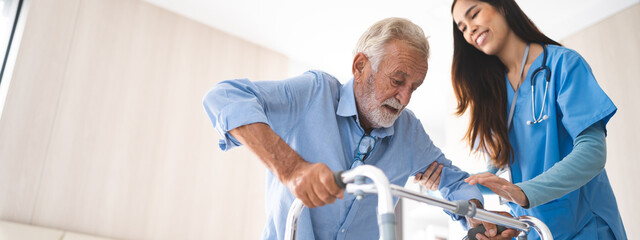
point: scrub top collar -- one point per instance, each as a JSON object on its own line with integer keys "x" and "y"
{"x": 347, "y": 108}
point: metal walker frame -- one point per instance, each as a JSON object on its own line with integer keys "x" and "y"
{"x": 354, "y": 183}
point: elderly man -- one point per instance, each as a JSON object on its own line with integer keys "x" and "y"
{"x": 306, "y": 127}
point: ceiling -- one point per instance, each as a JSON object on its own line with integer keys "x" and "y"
{"x": 321, "y": 34}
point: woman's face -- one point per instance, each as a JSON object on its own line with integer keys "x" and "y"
{"x": 481, "y": 25}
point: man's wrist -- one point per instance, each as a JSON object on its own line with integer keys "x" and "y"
{"x": 477, "y": 203}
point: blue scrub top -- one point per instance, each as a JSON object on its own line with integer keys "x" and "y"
{"x": 575, "y": 101}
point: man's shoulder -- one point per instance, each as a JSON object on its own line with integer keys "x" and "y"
{"x": 322, "y": 77}
{"x": 320, "y": 82}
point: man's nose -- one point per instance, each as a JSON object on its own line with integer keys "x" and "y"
{"x": 404, "y": 95}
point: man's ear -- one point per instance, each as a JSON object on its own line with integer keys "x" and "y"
{"x": 359, "y": 63}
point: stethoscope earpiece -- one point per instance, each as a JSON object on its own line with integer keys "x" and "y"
{"x": 529, "y": 122}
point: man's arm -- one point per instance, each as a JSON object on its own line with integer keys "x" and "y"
{"x": 245, "y": 112}
{"x": 311, "y": 183}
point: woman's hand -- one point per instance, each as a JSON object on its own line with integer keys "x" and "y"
{"x": 500, "y": 186}
{"x": 430, "y": 179}
{"x": 491, "y": 230}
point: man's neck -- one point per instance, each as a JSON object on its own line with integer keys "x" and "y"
{"x": 364, "y": 123}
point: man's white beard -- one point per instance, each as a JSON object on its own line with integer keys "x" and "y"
{"x": 375, "y": 114}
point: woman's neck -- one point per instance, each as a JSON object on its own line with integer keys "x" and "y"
{"x": 512, "y": 53}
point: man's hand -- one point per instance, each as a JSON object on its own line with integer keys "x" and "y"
{"x": 313, "y": 184}
{"x": 491, "y": 230}
{"x": 430, "y": 179}
{"x": 500, "y": 186}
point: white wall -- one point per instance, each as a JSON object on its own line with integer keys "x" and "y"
{"x": 103, "y": 130}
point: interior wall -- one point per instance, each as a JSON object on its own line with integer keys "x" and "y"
{"x": 612, "y": 49}
{"x": 104, "y": 133}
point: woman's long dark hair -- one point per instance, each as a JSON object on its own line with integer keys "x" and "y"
{"x": 479, "y": 84}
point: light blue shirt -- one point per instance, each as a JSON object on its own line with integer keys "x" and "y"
{"x": 575, "y": 102}
{"x": 316, "y": 115}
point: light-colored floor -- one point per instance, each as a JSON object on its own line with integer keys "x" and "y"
{"x": 19, "y": 231}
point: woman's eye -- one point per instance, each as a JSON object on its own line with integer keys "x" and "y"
{"x": 464, "y": 29}
{"x": 474, "y": 15}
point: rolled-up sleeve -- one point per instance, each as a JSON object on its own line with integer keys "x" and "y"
{"x": 234, "y": 103}
{"x": 231, "y": 104}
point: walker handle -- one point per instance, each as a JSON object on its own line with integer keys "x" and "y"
{"x": 471, "y": 234}
{"x": 337, "y": 176}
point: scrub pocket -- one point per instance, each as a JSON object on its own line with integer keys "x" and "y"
{"x": 604, "y": 231}
{"x": 557, "y": 215}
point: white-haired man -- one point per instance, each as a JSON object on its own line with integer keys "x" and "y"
{"x": 306, "y": 127}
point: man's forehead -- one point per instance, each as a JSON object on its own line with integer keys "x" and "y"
{"x": 408, "y": 69}
{"x": 399, "y": 73}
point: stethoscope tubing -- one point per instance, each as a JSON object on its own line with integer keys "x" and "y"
{"x": 547, "y": 74}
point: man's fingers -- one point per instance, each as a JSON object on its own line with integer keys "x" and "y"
{"x": 509, "y": 233}
{"x": 331, "y": 186}
{"x": 317, "y": 196}
{"x": 306, "y": 200}
{"x": 326, "y": 190}
{"x": 491, "y": 230}
{"x": 479, "y": 236}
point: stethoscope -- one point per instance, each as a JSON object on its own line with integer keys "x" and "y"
{"x": 547, "y": 75}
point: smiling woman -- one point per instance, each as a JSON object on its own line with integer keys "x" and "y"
{"x": 556, "y": 167}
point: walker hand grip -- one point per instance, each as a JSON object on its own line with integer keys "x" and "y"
{"x": 337, "y": 176}
{"x": 471, "y": 234}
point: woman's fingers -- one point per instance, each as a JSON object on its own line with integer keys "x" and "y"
{"x": 434, "y": 181}
{"x": 417, "y": 178}
{"x": 430, "y": 178}
{"x": 498, "y": 185}
{"x": 473, "y": 179}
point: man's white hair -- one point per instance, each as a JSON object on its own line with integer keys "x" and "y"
{"x": 372, "y": 42}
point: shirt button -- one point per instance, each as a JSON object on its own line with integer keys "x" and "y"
{"x": 342, "y": 230}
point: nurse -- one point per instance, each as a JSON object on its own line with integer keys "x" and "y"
{"x": 537, "y": 111}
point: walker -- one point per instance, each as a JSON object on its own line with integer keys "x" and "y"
{"x": 353, "y": 181}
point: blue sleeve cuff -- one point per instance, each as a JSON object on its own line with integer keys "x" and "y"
{"x": 230, "y": 118}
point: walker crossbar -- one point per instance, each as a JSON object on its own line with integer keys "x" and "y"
{"x": 386, "y": 219}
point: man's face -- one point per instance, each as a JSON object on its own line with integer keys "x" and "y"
{"x": 381, "y": 96}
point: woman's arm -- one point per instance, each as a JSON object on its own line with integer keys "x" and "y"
{"x": 586, "y": 160}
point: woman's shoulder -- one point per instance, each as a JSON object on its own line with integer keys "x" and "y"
{"x": 561, "y": 52}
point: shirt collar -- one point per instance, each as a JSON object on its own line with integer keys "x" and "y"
{"x": 347, "y": 108}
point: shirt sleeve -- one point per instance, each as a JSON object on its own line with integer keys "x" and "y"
{"x": 452, "y": 185}
{"x": 234, "y": 103}
{"x": 586, "y": 160}
{"x": 580, "y": 99}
